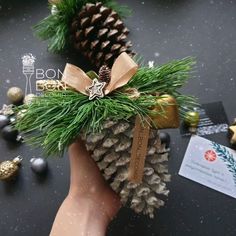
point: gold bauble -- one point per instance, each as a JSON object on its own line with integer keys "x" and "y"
{"x": 192, "y": 119}
{"x": 169, "y": 107}
{"x": 8, "y": 169}
{"x": 15, "y": 95}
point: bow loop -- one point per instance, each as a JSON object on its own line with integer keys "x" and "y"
{"x": 122, "y": 71}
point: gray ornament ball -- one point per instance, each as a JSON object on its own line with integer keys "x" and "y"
{"x": 9, "y": 133}
{"x": 4, "y": 120}
{"x": 39, "y": 165}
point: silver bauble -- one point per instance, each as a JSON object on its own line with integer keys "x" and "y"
{"x": 39, "y": 165}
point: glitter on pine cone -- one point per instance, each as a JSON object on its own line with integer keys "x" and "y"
{"x": 99, "y": 34}
{"x": 111, "y": 149}
{"x": 104, "y": 74}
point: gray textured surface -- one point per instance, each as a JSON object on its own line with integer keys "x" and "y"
{"x": 161, "y": 31}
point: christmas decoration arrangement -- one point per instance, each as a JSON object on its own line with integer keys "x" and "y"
{"x": 9, "y": 169}
{"x": 117, "y": 113}
{"x": 8, "y": 114}
{"x": 8, "y": 117}
{"x": 93, "y": 28}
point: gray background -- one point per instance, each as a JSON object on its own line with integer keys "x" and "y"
{"x": 161, "y": 31}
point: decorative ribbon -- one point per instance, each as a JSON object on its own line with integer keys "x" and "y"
{"x": 122, "y": 71}
{"x": 138, "y": 151}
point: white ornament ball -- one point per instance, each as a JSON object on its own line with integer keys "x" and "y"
{"x": 29, "y": 98}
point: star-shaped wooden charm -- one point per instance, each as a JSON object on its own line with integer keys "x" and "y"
{"x": 232, "y": 129}
{"x": 96, "y": 89}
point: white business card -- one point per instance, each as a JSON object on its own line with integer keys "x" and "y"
{"x": 210, "y": 164}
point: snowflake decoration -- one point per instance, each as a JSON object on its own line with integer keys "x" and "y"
{"x": 151, "y": 64}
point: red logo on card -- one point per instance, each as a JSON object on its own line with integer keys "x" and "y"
{"x": 210, "y": 155}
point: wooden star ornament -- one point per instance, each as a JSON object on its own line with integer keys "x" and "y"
{"x": 95, "y": 90}
{"x": 232, "y": 130}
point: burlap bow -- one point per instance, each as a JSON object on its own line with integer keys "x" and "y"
{"x": 122, "y": 71}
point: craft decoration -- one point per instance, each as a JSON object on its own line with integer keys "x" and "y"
{"x": 119, "y": 126}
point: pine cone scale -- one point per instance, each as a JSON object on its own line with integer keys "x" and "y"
{"x": 96, "y": 18}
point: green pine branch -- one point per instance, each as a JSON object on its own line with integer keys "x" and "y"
{"x": 167, "y": 78}
{"x": 55, "y": 28}
{"x": 55, "y": 119}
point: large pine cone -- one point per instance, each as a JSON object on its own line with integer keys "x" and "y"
{"x": 111, "y": 149}
{"x": 99, "y": 34}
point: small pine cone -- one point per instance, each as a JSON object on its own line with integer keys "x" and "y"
{"x": 104, "y": 74}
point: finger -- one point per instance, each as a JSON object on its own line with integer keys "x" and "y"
{"x": 85, "y": 175}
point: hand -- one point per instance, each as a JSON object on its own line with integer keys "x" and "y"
{"x": 91, "y": 204}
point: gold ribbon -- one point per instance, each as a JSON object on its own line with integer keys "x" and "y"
{"x": 122, "y": 71}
